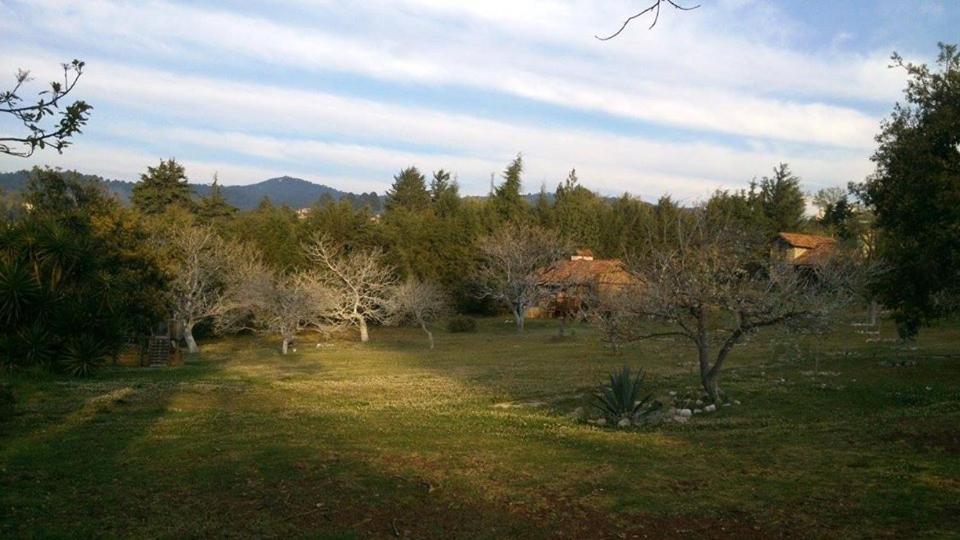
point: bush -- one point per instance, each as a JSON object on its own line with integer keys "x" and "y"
{"x": 461, "y": 323}
{"x": 83, "y": 355}
{"x": 620, "y": 398}
{"x": 7, "y": 402}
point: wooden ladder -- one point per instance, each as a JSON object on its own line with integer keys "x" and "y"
{"x": 158, "y": 350}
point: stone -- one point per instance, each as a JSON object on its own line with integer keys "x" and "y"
{"x": 576, "y": 415}
{"x": 736, "y": 402}
{"x": 673, "y": 393}
{"x": 726, "y": 404}
{"x": 697, "y": 411}
{"x": 699, "y": 402}
{"x": 681, "y": 419}
{"x": 686, "y": 413}
{"x": 624, "y": 422}
{"x": 710, "y": 408}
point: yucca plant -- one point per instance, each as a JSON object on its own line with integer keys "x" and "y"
{"x": 620, "y": 398}
{"x": 83, "y": 354}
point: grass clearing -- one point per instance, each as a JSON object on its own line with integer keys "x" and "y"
{"x": 472, "y": 440}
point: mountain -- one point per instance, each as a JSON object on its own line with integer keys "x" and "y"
{"x": 293, "y": 192}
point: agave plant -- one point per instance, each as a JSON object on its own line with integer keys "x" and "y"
{"x": 620, "y": 398}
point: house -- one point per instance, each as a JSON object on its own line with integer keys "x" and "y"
{"x": 567, "y": 286}
{"x": 802, "y": 249}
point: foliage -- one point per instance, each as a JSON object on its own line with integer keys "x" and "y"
{"x": 621, "y": 397}
{"x": 214, "y": 207}
{"x": 8, "y": 402}
{"x": 32, "y": 117}
{"x": 507, "y": 200}
{"x": 915, "y": 194}
{"x": 459, "y": 324}
{"x": 161, "y": 187}
{"x": 83, "y": 354}
{"x": 409, "y": 192}
{"x": 76, "y": 267}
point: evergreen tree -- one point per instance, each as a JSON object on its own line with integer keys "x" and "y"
{"x": 214, "y": 207}
{"x": 577, "y": 213}
{"x": 445, "y": 194}
{"x": 782, "y": 200}
{"x": 161, "y": 187}
{"x": 409, "y": 192}
{"x": 507, "y": 198}
{"x": 915, "y": 194}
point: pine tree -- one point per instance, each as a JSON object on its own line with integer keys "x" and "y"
{"x": 577, "y": 213}
{"x": 214, "y": 206}
{"x": 161, "y": 187}
{"x": 445, "y": 194}
{"x": 507, "y": 199}
{"x": 782, "y": 200}
{"x": 409, "y": 192}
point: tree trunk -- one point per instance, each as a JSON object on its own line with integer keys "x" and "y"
{"x": 286, "y": 344}
{"x": 188, "y": 337}
{"x": 364, "y": 334}
{"x": 428, "y": 332}
{"x": 563, "y": 325}
{"x": 873, "y": 312}
{"x": 708, "y": 376}
{"x": 711, "y": 383}
{"x": 518, "y": 316}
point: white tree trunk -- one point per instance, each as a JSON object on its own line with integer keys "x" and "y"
{"x": 286, "y": 344}
{"x": 428, "y": 332}
{"x": 518, "y": 316}
{"x": 364, "y": 334}
{"x": 188, "y": 337}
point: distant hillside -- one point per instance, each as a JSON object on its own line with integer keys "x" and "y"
{"x": 293, "y": 192}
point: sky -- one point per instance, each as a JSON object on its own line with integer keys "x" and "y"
{"x": 347, "y": 93}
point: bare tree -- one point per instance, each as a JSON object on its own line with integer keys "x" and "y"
{"x": 210, "y": 277}
{"x": 289, "y": 304}
{"x": 362, "y": 281}
{"x": 655, "y": 9}
{"x": 421, "y": 303}
{"x": 32, "y": 116}
{"x": 512, "y": 258}
{"x": 711, "y": 289}
{"x": 614, "y": 313}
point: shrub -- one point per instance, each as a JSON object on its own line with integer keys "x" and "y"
{"x": 620, "y": 398}
{"x": 461, "y": 323}
{"x": 83, "y": 355}
{"x": 7, "y": 402}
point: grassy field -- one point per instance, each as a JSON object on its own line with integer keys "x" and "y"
{"x": 473, "y": 440}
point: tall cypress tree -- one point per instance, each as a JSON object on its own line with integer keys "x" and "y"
{"x": 782, "y": 200}
{"x": 409, "y": 192}
{"x": 161, "y": 187}
{"x": 214, "y": 206}
{"x": 507, "y": 199}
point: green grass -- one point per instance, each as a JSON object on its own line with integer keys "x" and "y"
{"x": 389, "y": 439}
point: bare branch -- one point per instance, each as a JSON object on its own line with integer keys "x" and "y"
{"x": 655, "y": 8}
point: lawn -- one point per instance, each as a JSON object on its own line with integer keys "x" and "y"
{"x": 475, "y": 440}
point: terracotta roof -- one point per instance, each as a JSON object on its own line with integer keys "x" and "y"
{"x": 606, "y": 271}
{"x": 806, "y": 241}
{"x": 583, "y": 253}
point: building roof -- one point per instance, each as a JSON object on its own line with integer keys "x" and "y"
{"x": 585, "y": 272}
{"x": 805, "y": 241}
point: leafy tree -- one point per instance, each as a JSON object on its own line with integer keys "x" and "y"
{"x": 444, "y": 194}
{"x": 576, "y": 213}
{"x": 275, "y": 232}
{"x": 781, "y": 200}
{"x": 214, "y": 207}
{"x": 33, "y": 116}
{"x": 508, "y": 202}
{"x": 915, "y": 194}
{"x": 76, "y": 277}
{"x": 161, "y": 187}
{"x": 409, "y": 192}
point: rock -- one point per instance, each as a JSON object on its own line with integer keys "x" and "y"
{"x": 736, "y": 402}
{"x": 726, "y": 404}
{"x": 673, "y": 393}
{"x": 699, "y": 402}
{"x": 697, "y": 411}
{"x": 624, "y": 422}
{"x": 598, "y": 421}
{"x": 686, "y": 413}
{"x": 576, "y": 415}
{"x": 681, "y": 419}
{"x": 710, "y": 408}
